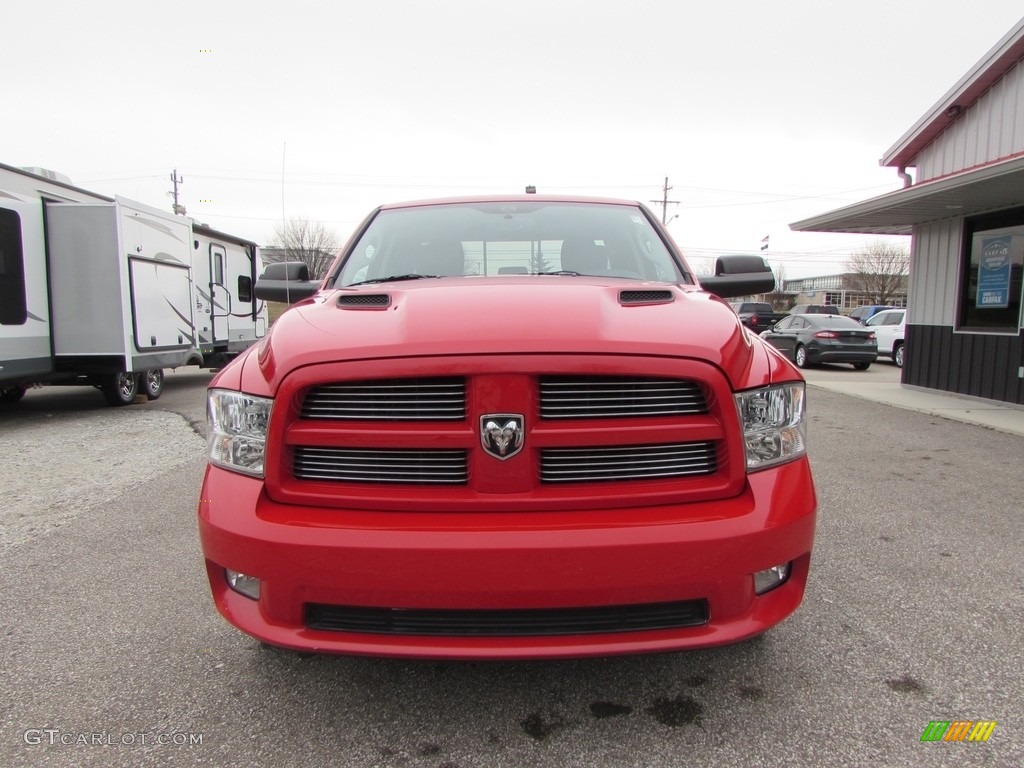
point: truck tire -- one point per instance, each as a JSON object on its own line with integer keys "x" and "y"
{"x": 152, "y": 382}
{"x": 897, "y": 355}
{"x": 120, "y": 388}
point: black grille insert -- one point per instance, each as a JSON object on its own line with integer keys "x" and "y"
{"x": 508, "y": 623}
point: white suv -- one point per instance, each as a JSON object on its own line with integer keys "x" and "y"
{"x": 889, "y": 329}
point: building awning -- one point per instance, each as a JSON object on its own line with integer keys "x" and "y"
{"x": 980, "y": 190}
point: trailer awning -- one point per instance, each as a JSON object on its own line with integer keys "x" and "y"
{"x": 990, "y": 188}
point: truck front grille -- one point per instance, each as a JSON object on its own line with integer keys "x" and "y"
{"x": 380, "y": 465}
{"x": 632, "y": 462}
{"x": 661, "y": 434}
{"x": 602, "y": 397}
{"x": 440, "y": 399}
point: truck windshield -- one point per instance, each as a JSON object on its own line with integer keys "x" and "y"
{"x": 511, "y": 238}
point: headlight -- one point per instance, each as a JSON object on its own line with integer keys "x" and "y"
{"x": 773, "y": 424}
{"x": 236, "y": 426}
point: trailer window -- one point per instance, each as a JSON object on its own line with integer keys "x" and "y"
{"x": 218, "y": 268}
{"x": 245, "y": 289}
{"x": 13, "y": 305}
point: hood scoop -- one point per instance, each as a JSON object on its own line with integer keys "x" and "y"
{"x": 635, "y": 297}
{"x": 364, "y": 301}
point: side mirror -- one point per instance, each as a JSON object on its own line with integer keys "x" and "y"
{"x": 287, "y": 281}
{"x": 739, "y": 276}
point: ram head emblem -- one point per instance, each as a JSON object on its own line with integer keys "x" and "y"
{"x": 502, "y": 434}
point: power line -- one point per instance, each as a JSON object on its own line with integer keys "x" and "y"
{"x": 178, "y": 209}
{"x": 665, "y": 201}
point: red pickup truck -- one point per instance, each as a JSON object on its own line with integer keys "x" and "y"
{"x": 508, "y": 427}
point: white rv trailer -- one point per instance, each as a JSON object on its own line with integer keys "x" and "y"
{"x": 228, "y": 316}
{"x": 109, "y": 292}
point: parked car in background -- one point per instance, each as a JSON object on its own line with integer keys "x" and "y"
{"x": 814, "y": 309}
{"x": 889, "y": 327}
{"x": 756, "y": 315}
{"x": 865, "y": 312}
{"x": 811, "y": 339}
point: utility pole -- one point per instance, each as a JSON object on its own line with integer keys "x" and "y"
{"x": 665, "y": 201}
{"x": 178, "y": 209}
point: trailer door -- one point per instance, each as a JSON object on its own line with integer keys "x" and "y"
{"x": 220, "y": 297}
{"x": 240, "y": 275}
{"x": 25, "y": 347}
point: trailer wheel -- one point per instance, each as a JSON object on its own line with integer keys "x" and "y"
{"x": 120, "y": 388}
{"x": 12, "y": 394}
{"x": 153, "y": 382}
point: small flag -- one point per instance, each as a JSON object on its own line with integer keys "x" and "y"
{"x": 764, "y": 243}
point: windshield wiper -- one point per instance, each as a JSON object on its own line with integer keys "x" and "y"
{"x": 566, "y": 272}
{"x": 393, "y": 279}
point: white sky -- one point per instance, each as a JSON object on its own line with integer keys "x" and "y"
{"x": 759, "y": 113}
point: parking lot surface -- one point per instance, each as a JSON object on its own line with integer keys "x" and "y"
{"x": 112, "y": 652}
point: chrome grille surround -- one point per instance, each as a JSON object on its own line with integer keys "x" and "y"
{"x": 602, "y": 397}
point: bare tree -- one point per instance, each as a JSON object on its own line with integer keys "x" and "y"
{"x": 780, "y": 278}
{"x": 302, "y": 240}
{"x": 879, "y": 271}
{"x": 778, "y": 298}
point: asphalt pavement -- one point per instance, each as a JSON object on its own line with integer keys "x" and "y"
{"x": 881, "y": 384}
{"x": 112, "y": 654}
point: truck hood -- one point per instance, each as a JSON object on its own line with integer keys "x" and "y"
{"x": 507, "y": 316}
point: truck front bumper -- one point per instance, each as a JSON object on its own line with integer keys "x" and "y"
{"x": 449, "y": 571}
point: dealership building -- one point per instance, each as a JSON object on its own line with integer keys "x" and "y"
{"x": 963, "y": 206}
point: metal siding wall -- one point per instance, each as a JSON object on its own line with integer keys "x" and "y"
{"x": 1012, "y": 133}
{"x": 992, "y": 128}
{"x": 977, "y": 365}
{"x": 981, "y": 128}
{"x": 916, "y": 361}
{"x": 934, "y": 273}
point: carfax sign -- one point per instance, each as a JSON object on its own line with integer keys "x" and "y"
{"x": 994, "y": 273}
